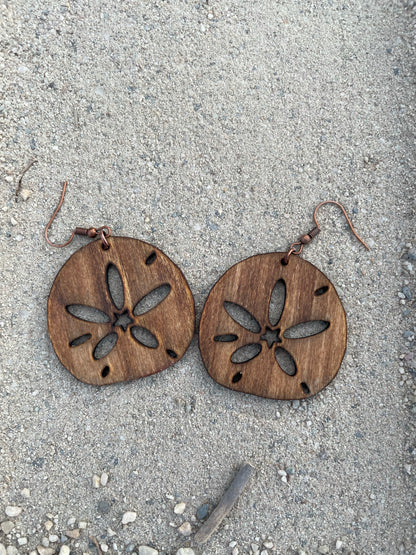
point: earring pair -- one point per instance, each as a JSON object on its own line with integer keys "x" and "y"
{"x": 120, "y": 309}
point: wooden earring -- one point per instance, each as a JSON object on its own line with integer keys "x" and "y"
{"x": 274, "y": 326}
{"x": 119, "y": 308}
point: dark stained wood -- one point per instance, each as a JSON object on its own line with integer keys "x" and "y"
{"x": 82, "y": 281}
{"x": 250, "y": 284}
{"x": 225, "y": 505}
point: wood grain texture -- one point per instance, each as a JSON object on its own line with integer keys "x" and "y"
{"x": 83, "y": 281}
{"x": 250, "y": 284}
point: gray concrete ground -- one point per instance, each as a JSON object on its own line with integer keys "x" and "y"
{"x": 210, "y": 129}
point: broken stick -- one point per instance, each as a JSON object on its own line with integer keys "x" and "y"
{"x": 225, "y": 505}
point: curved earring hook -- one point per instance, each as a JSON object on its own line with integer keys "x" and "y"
{"x": 346, "y": 217}
{"x": 91, "y": 232}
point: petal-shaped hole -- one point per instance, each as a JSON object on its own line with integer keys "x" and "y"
{"x": 237, "y": 377}
{"x": 151, "y": 258}
{"x": 246, "y": 353}
{"x": 226, "y": 338}
{"x": 171, "y": 353}
{"x": 105, "y": 371}
{"x": 144, "y": 337}
{"x": 80, "y": 340}
{"x": 105, "y": 346}
{"x": 321, "y": 291}
{"x": 285, "y": 361}
{"x": 88, "y": 313}
{"x": 277, "y": 302}
{"x": 306, "y": 329}
{"x": 115, "y": 286}
{"x": 152, "y": 299}
{"x": 242, "y": 317}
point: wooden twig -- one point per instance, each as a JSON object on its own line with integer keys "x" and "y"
{"x": 225, "y": 505}
{"x": 19, "y": 183}
{"x": 97, "y": 545}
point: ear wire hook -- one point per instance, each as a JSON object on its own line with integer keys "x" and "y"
{"x": 91, "y": 232}
{"x": 307, "y": 238}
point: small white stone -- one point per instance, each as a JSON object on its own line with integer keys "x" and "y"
{"x": 104, "y": 478}
{"x": 268, "y": 544}
{"x": 53, "y": 538}
{"x": 25, "y": 194}
{"x": 128, "y": 517}
{"x": 96, "y": 481}
{"x": 339, "y": 544}
{"x": 64, "y": 550}
{"x": 146, "y": 550}
{"x": 179, "y": 509}
{"x": 45, "y": 550}
{"x": 111, "y": 532}
{"x": 48, "y": 525}
{"x": 13, "y": 511}
{"x": 104, "y": 547}
{"x": 71, "y": 521}
{"x": 254, "y": 548}
{"x": 168, "y": 496}
{"x": 22, "y": 541}
{"x": 45, "y": 542}
{"x": 232, "y": 544}
{"x": 12, "y": 550}
{"x": 324, "y": 549}
{"x": 2, "y": 550}
{"x": 264, "y": 552}
{"x": 82, "y": 524}
{"x": 234, "y": 551}
{"x": 25, "y": 491}
{"x": 7, "y": 526}
{"x": 185, "y": 551}
{"x": 185, "y": 529}
{"x": 13, "y": 221}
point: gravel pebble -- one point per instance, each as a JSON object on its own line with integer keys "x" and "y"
{"x": 48, "y": 525}
{"x": 185, "y": 551}
{"x": 74, "y": 534}
{"x": 202, "y": 511}
{"x": 7, "y": 526}
{"x": 64, "y": 550}
{"x": 25, "y": 194}
{"x": 268, "y": 545}
{"x": 12, "y": 511}
{"x": 96, "y": 481}
{"x": 104, "y": 479}
{"x": 146, "y": 550}
{"x": 179, "y": 509}
{"x": 12, "y": 550}
{"x": 22, "y": 541}
{"x": 2, "y": 549}
{"x": 42, "y": 550}
{"x": 128, "y": 517}
{"x": 185, "y": 529}
{"x": 339, "y": 544}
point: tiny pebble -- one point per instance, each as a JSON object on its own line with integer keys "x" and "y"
{"x": 324, "y": 549}
{"x": 13, "y": 221}
{"x": 25, "y": 194}
{"x": 25, "y": 492}
{"x": 104, "y": 478}
{"x": 13, "y": 511}
{"x": 82, "y": 524}
{"x": 72, "y": 533}
{"x": 202, "y": 511}
{"x": 339, "y": 544}
{"x": 48, "y": 525}
{"x": 128, "y": 517}
{"x": 7, "y": 526}
{"x": 268, "y": 545}
{"x": 42, "y": 550}
{"x": 185, "y": 551}
{"x": 71, "y": 521}
{"x": 179, "y": 509}
{"x": 405, "y": 290}
{"x": 64, "y": 550}
{"x": 146, "y": 550}
{"x": 264, "y": 552}
{"x": 45, "y": 542}
{"x": 232, "y": 544}
{"x": 22, "y": 541}
{"x": 234, "y": 551}
{"x": 12, "y": 550}
{"x": 185, "y": 529}
{"x": 2, "y": 549}
{"x": 53, "y": 538}
{"x": 254, "y": 548}
{"x": 104, "y": 547}
{"x": 96, "y": 481}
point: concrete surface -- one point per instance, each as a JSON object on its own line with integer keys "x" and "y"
{"x": 210, "y": 129}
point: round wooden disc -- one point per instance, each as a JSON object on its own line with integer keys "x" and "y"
{"x": 119, "y": 314}
{"x": 273, "y": 330}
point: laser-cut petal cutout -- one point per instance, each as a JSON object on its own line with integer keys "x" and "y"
{"x": 285, "y": 361}
{"x": 145, "y": 337}
{"x": 115, "y": 286}
{"x": 152, "y": 299}
{"x": 80, "y": 340}
{"x": 105, "y": 346}
{"x": 88, "y": 313}
{"x": 246, "y": 353}
{"x": 277, "y": 302}
{"x": 226, "y": 338}
{"x": 306, "y": 329}
{"x": 242, "y": 316}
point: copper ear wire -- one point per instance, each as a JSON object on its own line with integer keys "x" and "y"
{"x": 307, "y": 238}
{"x": 91, "y": 232}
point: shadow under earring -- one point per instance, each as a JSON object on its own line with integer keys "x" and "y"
{"x": 119, "y": 308}
{"x": 274, "y": 326}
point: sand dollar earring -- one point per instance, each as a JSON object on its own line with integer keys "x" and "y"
{"x": 119, "y": 308}
{"x": 274, "y": 326}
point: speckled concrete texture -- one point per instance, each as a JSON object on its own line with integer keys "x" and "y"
{"x": 211, "y": 130}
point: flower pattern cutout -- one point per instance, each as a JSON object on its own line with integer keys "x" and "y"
{"x": 122, "y": 319}
{"x": 270, "y": 334}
